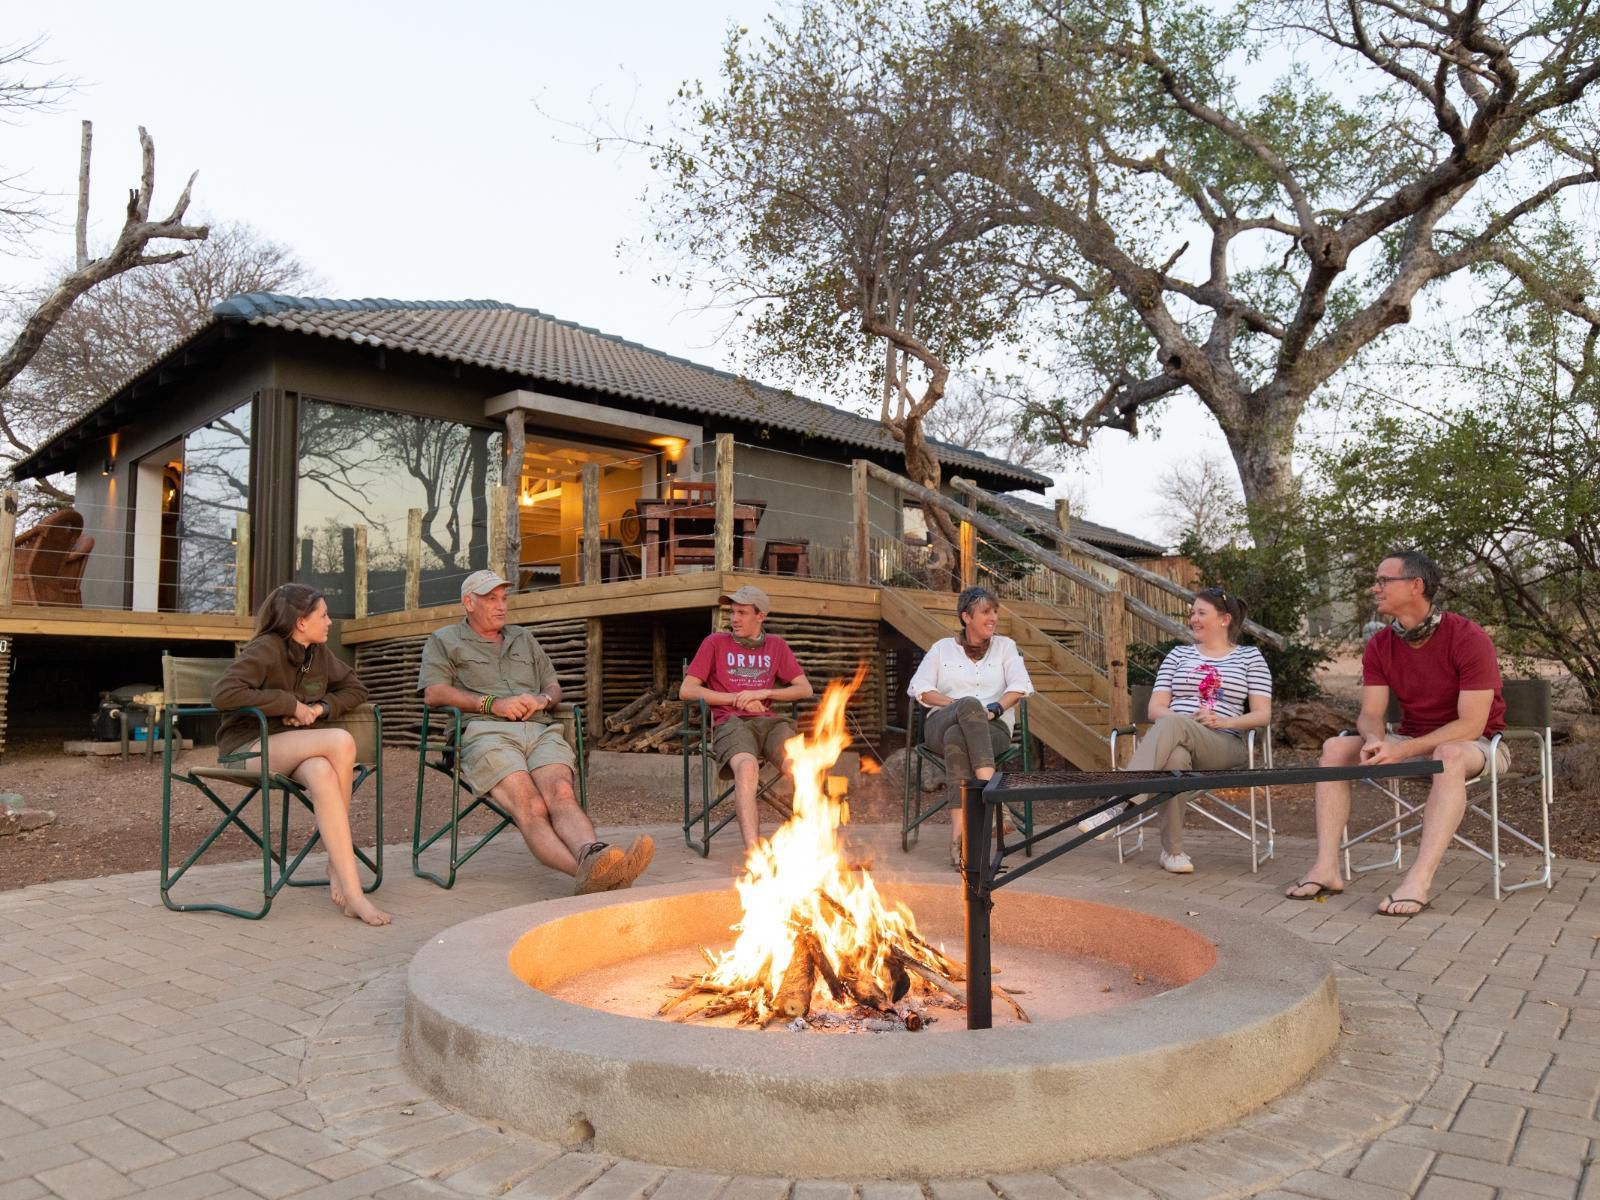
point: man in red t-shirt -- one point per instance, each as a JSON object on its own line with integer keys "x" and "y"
{"x": 739, "y": 674}
{"x": 1443, "y": 670}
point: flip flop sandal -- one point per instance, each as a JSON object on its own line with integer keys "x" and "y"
{"x": 1322, "y": 890}
{"x": 1422, "y": 906}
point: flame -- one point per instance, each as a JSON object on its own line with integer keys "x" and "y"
{"x": 870, "y": 766}
{"x": 799, "y": 882}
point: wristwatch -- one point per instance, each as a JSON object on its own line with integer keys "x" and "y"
{"x": 994, "y": 707}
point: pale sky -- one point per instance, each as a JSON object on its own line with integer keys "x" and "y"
{"x": 399, "y": 149}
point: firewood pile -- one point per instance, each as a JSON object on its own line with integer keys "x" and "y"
{"x": 649, "y": 723}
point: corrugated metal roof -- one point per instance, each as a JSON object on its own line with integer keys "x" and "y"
{"x": 529, "y": 343}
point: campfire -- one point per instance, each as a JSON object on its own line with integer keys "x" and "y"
{"x": 815, "y": 936}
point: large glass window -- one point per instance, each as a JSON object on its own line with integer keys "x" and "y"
{"x": 367, "y": 467}
{"x": 215, "y": 489}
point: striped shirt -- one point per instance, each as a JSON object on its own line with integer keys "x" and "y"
{"x": 1233, "y": 679}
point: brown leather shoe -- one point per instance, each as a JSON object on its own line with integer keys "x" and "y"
{"x": 634, "y": 861}
{"x": 598, "y": 869}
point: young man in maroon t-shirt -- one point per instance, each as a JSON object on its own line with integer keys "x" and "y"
{"x": 739, "y": 674}
{"x": 1443, "y": 670}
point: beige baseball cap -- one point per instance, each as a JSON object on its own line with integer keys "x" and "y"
{"x": 481, "y": 583}
{"x": 752, "y": 595}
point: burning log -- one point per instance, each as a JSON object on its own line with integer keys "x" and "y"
{"x": 799, "y": 981}
{"x": 819, "y": 958}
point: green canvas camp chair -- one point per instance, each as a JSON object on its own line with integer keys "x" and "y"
{"x": 715, "y": 783}
{"x": 186, "y": 689}
{"x": 914, "y": 812}
{"x": 438, "y": 751}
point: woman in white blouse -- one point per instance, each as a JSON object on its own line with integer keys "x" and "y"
{"x": 970, "y": 684}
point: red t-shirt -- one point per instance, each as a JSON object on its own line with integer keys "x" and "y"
{"x": 725, "y": 666}
{"x": 1428, "y": 680}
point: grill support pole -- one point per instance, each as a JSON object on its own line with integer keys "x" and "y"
{"x": 974, "y": 847}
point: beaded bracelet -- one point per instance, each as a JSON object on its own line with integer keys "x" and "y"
{"x": 488, "y": 704}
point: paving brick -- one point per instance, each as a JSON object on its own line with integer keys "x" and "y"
{"x": 1488, "y": 1118}
{"x": 1102, "y": 1183}
{"x": 271, "y": 1176}
{"x": 207, "y": 1162}
{"x": 1393, "y": 1165}
{"x": 89, "y": 1179}
{"x": 500, "y": 1172}
{"x": 1032, "y": 1186}
{"x": 126, "y": 1149}
{"x": 1336, "y": 1187}
{"x": 948, "y": 1189}
{"x": 564, "y": 1177}
{"x": 626, "y": 1181}
{"x": 1539, "y": 1183}
{"x": 160, "y": 1118}
{"x": 878, "y": 1190}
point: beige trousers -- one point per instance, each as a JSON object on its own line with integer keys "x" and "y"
{"x": 1177, "y": 743}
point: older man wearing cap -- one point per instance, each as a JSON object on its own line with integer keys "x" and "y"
{"x": 512, "y": 748}
{"x": 739, "y": 675}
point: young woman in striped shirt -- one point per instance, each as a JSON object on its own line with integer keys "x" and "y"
{"x": 1206, "y": 697}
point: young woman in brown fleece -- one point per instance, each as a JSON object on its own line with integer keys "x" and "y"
{"x": 288, "y": 673}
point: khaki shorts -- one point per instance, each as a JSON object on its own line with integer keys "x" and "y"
{"x": 493, "y": 750}
{"x": 1482, "y": 745}
{"x": 761, "y": 736}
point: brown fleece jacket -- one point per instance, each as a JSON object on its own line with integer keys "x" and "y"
{"x": 272, "y": 673}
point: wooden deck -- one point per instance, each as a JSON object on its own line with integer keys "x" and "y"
{"x": 18, "y": 619}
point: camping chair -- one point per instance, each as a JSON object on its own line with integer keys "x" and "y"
{"x": 441, "y": 739}
{"x": 1527, "y": 719}
{"x": 50, "y": 558}
{"x": 912, "y": 811}
{"x": 1215, "y": 807}
{"x": 716, "y": 782}
{"x": 186, "y": 688}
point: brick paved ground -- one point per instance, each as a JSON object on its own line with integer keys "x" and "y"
{"x": 194, "y": 1055}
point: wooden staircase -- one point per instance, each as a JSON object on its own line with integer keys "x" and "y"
{"x": 1070, "y": 709}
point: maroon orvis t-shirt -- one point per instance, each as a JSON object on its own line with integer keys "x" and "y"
{"x": 1429, "y": 679}
{"x": 725, "y": 666}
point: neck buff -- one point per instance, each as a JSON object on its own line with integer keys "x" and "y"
{"x": 1421, "y": 629}
{"x": 973, "y": 652}
{"x": 748, "y": 643}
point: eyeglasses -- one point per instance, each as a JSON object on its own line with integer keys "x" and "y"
{"x": 1386, "y": 580}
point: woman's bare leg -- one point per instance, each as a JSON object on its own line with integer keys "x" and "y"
{"x": 323, "y": 760}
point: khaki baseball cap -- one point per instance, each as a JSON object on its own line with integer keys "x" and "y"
{"x": 481, "y": 583}
{"x": 752, "y": 595}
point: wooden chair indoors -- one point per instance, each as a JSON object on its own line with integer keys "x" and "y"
{"x": 186, "y": 686}
{"x": 49, "y": 562}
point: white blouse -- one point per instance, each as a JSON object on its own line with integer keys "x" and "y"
{"x": 946, "y": 669}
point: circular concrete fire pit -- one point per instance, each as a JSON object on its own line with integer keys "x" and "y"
{"x": 1252, "y": 1012}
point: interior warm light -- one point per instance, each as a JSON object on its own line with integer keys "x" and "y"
{"x": 671, "y": 447}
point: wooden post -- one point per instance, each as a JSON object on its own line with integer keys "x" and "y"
{"x": 969, "y": 554}
{"x": 360, "y": 584}
{"x": 1114, "y": 629}
{"x": 724, "y": 539}
{"x": 8, "y": 542}
{"x": 498, "y": 532}
{"x": 594, "y": 688}
{"x": 589, "y": 560}
{"x": 860, "y": 539}
{"x": 413, "y": 559}
{"x": 659, "y": 673}
{"x": 1064, "y": 523}
{"x": 241, "y": 566}
{"x": 511, "y": 477}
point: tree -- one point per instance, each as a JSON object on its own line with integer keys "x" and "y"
{"x": 1200, "y": 502}
{"x": 1501, "y": 487}
{"x": 117, "y": 329}
{"x": 1245, "y": 242}
{"x": 983, "y": 414}
{"x": 131, "y": 250}
{"x": 826, "y": 195}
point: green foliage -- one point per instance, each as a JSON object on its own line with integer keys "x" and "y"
{"x": 1502, "y": 489}
{"x": 1144, "y": 660}
{"x": 1275, "y": 580}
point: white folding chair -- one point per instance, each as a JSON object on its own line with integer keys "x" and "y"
{"x": 1528, "y": 705}
{"x": 1248, "y": 824}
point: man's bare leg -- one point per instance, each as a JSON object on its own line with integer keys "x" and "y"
{"x": 571, "y": 823}
{"x": 746, "y": 770}
{"x": 1333, "y": 814}
{"x": 521, "y": 797}
{"x": 1441, "y": 817}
